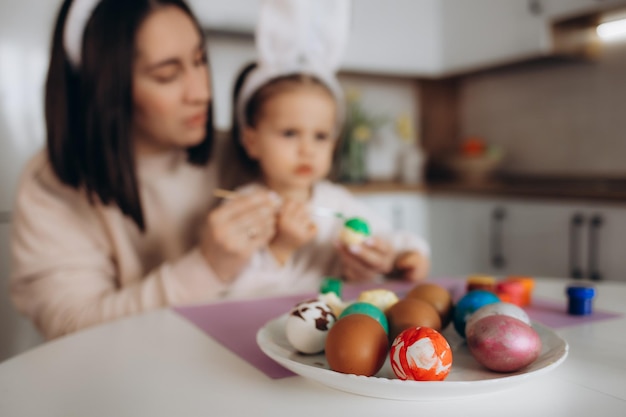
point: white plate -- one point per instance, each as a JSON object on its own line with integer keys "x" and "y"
{"x": 467, "y": 377}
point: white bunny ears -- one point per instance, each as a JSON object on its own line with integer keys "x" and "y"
{"x": 298, "y": 36}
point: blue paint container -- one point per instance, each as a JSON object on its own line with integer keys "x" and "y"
{"x": 580, "y": 298}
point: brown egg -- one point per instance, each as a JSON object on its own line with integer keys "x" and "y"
{"x": 356, "y": 344}
{"x": 438, "y": 296}
{"x": 411, "y": 312}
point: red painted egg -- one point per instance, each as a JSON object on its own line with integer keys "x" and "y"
{"x": 421, "y": 354}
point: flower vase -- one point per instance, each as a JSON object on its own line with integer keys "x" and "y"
{"x": 354, "y": 169}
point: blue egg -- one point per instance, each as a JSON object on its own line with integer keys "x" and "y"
{"x": 467, "y": 305}
{"x": 361, "y": 307}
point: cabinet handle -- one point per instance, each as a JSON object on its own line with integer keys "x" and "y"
{"x": 575, "y": 230}
{"x": 497, "y": 219}
{"x": 594, "y": 240}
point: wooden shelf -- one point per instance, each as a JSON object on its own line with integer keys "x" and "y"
{"x": 384, "y": 187}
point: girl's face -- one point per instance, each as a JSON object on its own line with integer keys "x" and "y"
{"x": 171, "y": 91}
{"x": 294, "y": 139}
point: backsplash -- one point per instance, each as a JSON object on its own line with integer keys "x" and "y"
{"x": 555, "y": 117}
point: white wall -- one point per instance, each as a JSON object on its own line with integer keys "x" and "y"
{"x": 25, "y": 32}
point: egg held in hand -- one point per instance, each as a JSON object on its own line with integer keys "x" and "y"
{"x": 355, "y": 230}
{"x": 502, "y": 343}
{"x": 421, "y": 354}
{"x": 307, "y": 326}
{"x": 356, "y": 344}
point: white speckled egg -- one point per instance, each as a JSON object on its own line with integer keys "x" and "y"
{"x": 308, "y": 325}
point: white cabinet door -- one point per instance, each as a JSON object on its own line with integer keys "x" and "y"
{"x": 395, "y": 37}
{"x": 443, "y": 37}
{"x": 482, "y": 33}
{"x": 459, "y": 235}
{"x": 535, "y": 238}
{"x": 233, "y": 15}
{"x": 604, "y": 242}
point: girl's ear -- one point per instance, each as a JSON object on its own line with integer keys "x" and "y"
{"x": 250, "y": 142}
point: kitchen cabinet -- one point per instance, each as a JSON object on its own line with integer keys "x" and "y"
{"x": 443, "y": 37}
{"x": 403, "y": 210}
{"x": 508, "y": 236}
{"x": 428, "y": 38}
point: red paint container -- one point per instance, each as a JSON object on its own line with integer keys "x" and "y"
{"x": 528, "y": 283}
{"x": 511, "y": 292}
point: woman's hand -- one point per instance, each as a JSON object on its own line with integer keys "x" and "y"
{"x": 412, "y": 266}
{"x": 364, "y": 262}
{"x": 237, "y": 229}
{"x": 294, "y": 229}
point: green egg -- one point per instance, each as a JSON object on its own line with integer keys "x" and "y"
{"x": 358, "y": 225}
{"x": 360, "y": 307}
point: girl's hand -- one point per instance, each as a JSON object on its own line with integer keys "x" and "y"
{"x": 294, "y": 229}
{"x": 365, "y": 262}
{"x": 237, "y": 229}
{"x": 412, "y": 266}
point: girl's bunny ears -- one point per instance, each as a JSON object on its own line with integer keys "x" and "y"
{"x": 298, "y": 36}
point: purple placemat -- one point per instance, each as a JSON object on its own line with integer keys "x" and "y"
{"x": 234, "y": 324}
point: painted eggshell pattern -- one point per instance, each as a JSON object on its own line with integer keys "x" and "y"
{"x": 308, "y": 325}
{"x": 421, "y": 354}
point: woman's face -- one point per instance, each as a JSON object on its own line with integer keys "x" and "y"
{"x": 171, "y": 91}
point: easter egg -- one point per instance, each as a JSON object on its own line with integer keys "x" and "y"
{"x": 307, "y": 326}
{"x": 356, "y": 344}
{"x": 438, "y": 296}
{"x": 506, "y": 309}
{"x": 420, "y": 354}
{"x": 468, "y": 304}
{"x": 503, "y": 343}
{"x": 355, "y": 230}
{"x": 371, "y": 310}
{"x": 411, "y": 312}
{"x": 380, "y": 297}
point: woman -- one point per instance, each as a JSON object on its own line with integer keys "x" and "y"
{"x": 114, "y": 217}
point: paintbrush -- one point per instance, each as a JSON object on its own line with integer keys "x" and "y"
{"x": 315, "y": 210}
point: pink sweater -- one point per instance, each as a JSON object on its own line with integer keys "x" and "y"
{"x": 75, "y": 265}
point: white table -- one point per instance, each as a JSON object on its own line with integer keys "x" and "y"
{"x": 158, "y": 364}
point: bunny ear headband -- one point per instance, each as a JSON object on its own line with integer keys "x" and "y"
{"x": 298, "y": 36}
{"x": 77, "y": 17}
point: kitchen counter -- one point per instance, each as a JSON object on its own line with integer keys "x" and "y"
{"x": 587, "y": 189}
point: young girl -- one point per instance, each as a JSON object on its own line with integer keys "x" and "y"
{"x": 286, "y": 127}
{"x": 113, "y": 217}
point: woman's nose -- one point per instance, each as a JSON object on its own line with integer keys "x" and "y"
{"x": 198, "y": 89}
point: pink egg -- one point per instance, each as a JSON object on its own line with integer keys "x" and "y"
{"x": 502, "y": 343}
